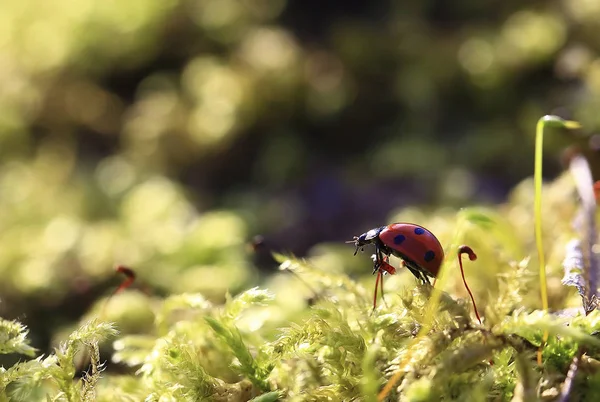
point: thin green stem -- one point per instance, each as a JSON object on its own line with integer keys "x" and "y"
{"x": 551, "y": 121}
{"x": 537, "y": 179}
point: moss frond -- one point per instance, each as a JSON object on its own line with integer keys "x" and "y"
{"x": 532, "y": 325}
{"x": 234, "y": 307}
{"x": 90, "y": 379}
{"x": 247, "y": 365}
{"x": 25, "y": 377}
{"x": 176, "y": 303}
{"x": 13, "y": 338}
{"x": 133, "y": 349}
{"x": 60, "y": 368}
{"x": 89, "y": 335}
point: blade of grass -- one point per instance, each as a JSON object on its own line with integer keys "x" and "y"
{"x": 546, "y": 121}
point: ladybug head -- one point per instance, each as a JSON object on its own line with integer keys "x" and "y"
{"x": 359, "y": 242}
{"x": 364, "y": 239}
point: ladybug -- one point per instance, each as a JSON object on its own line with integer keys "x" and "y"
{"x": 420, "y": 250}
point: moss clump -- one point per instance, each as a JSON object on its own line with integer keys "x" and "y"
{"x": 311, "y": 334}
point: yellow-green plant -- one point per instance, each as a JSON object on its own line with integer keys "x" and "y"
{"x": 546, "y": 121}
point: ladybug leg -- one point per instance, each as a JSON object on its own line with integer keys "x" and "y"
{"x": 378, "y": 253}
{"x": 417, "y": 274}
{"x": 376, "y": 264}
{"x": 378, "y": 258}
{"x": 425, "y": 278}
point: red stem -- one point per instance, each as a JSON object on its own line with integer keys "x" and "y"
{"x": 472, "y": 256}
{"x": 130, "y": 277}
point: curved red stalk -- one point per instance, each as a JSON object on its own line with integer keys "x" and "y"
{"x": 472, "y": 256}
{"x": 129, "y": 278}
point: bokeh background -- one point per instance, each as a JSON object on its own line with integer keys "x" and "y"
{"x": 166, "y": 135}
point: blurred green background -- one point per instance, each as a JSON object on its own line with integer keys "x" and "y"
{"x": 165, "y": 135}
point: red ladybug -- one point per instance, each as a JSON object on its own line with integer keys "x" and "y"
{"x": 420, "y": 250}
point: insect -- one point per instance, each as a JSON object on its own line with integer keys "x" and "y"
{"x": 418, "y": 248}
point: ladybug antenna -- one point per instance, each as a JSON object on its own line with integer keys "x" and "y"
{"x": 472, "y": 256}
{"x": 356, "y": 243}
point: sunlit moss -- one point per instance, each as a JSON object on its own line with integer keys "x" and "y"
{"x": 339, "y": 347}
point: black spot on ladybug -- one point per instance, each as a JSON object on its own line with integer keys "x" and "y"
{"x": 429, "y": 256}
{"x": 399, "y": 239}
{"x": 419, "y": 231}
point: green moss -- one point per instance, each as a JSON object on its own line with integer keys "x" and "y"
{"x": 258, "y": 346}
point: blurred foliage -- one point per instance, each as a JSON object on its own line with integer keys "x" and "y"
{"x": 246, "y": 101}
